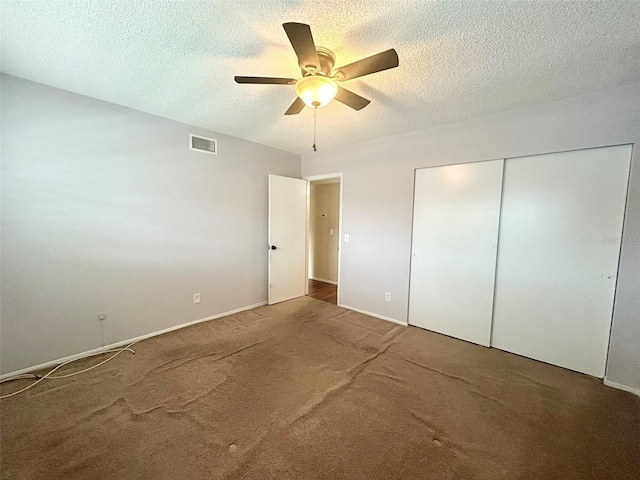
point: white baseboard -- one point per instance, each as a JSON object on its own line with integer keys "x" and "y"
{"x": 112, "y": 346}
{"x": 381, "y": 317}
{"x": 324, "y": 280}
{"x": 620, "y": 386}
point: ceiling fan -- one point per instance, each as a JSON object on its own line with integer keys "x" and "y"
{"x": 319, "y": 82}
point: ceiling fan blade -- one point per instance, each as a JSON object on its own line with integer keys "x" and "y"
{"x": 265, "y": 80}
{"x": 296, "y": 107}
{"x": 351, "y": 99}
{"x": 302, "y": 42}
{"x": 375, "y": 63}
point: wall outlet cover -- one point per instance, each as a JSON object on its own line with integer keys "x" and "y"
{"x": 196, "y": 298}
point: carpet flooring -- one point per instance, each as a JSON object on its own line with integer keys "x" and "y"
{"x": 308, "y": 390}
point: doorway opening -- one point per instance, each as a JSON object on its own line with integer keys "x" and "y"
{"x": 323, "y": 237}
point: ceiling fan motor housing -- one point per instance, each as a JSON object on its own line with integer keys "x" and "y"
{"x": 327, "y": 61}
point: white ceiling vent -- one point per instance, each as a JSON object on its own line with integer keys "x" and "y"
{"x": 203, "y": 144}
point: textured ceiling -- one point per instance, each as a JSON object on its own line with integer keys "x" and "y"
{"x": 458, "y": 60}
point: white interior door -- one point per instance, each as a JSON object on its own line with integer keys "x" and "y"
{"x": 560, "y": 231}
{"x": 455, "y": 235}
{"x": 287, "y": 238}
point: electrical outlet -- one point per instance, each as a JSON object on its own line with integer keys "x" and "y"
{"x": 196, "y": 298}
{"x": 387, "y": 296}
{"x": 101, "y": 316}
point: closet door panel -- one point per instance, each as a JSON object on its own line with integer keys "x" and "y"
{"x": 559, "y": 243}
{"x": 455, "y": 232}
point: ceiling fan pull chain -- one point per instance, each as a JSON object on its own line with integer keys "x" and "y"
{"x": 315, "y": 114}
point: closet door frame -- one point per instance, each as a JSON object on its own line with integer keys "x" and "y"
{"x": 505, "y": 163}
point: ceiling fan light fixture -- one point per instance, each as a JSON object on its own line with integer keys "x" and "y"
{"x": 316, "y": 90}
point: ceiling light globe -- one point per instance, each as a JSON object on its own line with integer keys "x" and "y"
{"x": 316, "y": 90}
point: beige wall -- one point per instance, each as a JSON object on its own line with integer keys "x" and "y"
{"x": 323, "y": 247}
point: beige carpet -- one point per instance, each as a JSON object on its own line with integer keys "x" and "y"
{"x": 308, "y": 390}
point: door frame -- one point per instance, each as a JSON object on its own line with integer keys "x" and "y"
{"x": 313, "y": 178}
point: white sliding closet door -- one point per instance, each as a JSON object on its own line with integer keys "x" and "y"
{"x": 560, "y": 231}
{"x": 455, "y": 234}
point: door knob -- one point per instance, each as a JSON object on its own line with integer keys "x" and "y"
{"x": 273, "y": 247}
{"x": 605, "y": 275}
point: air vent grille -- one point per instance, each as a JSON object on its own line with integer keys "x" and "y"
{"x": 202, "y": 144}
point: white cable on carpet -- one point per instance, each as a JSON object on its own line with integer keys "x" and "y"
{"x": 50, "y": 375}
